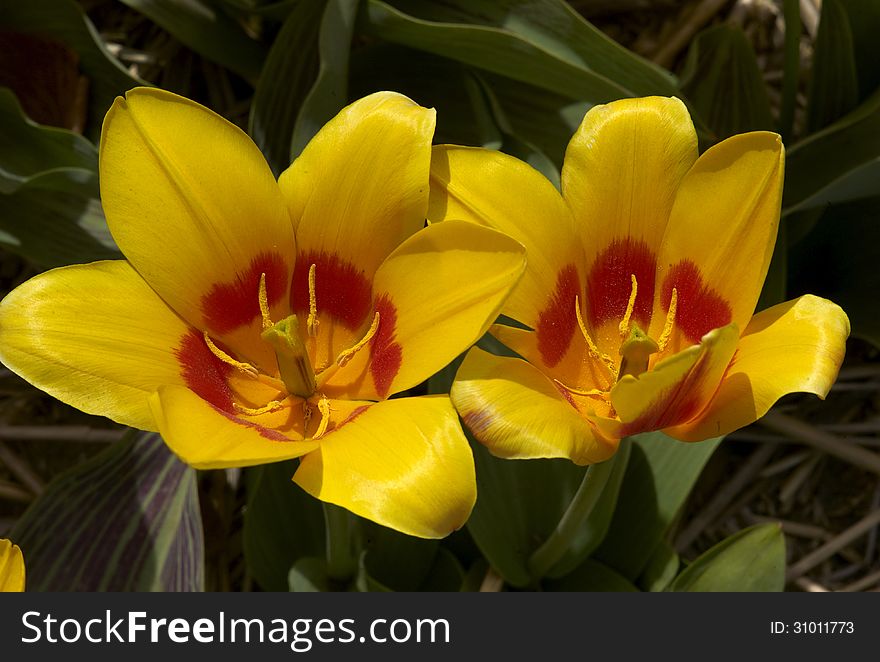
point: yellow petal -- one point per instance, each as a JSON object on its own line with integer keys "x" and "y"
{"x": 96, "y": 337}
{"x": 11, "y": 568}
{"x": 678, "y": 387}
{"x": 721, "y": 234}
{"x": 517, "y": 412}
{"x": 796, "y": 346}
{"x": 498, "y": 191}
{"x": 621, "y": 171}
{"x": 194, "y": 207}
{"x": 402, "y": 463}
{"x": 360, "y": 187}
{"x": 435, "y": 295}
{"x": 207, "y": 437}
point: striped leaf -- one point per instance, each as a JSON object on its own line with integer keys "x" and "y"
{"x": 126, "y": 520}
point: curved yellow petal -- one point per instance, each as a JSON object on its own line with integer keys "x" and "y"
{"x": 402, "y": 463}
{"x": 94, "y": 336}
{"x": 207, "y": 437}
{"x": 796, "y": 346}
{"x": 193, "y": 205}
{"x": 498, "y": 191}
{"x": 11, "y": 568}
{"x": 721, "y": 234}
{"x": 435, "y": 296}
{"x": 678, "y": 387}
{"x": 360, "y": 187}
{"x": 517, "y": 412}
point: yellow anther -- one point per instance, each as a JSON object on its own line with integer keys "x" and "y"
{"x": 312, "y": 322}
{"x": 324, "y": 408}
{"x": 347, "y": 354}
{"x": 223, "y": 356}
{"x": 577, "y": 391}
{"x": 273, "y": 406}
{"x": 307, "y": 414}
{"x": 264, "y": 303}
{"x": 624, "y": 323}
{"x": 670, "y": 321}
{"x": 594, "y": 350}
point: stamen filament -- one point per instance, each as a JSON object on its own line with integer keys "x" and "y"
{"x": 624, "y": 323}
{"x": 594, "y": 350}
{"x": 670, "y": 321}
{"x": 324, "y": 408}
{"x": 577, "y": 391}
{"x": 268, "y": 408}
{"x": 312, "y": 322}
{"x": 347, "y": 354}
{"x": 223, "y": 356}
{"x": 264, "y": 303}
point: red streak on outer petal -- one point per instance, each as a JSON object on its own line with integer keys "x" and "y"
{"x": 228, "y": 306}
{"x": 557, "y": 322}
{"x": 341, "y": 290}
{"x": 204, "y": 373}
{"x": 699, "y": 309}
{"x": 386, "y": 353}
{"x": 268, "y": 433}
{"x": 609, "y": 283}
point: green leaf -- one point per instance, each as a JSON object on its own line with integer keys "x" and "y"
{"x": 661, "y": 569}
{"x": 282, "y": 524}
{"x": 834, "y": 87}
{"x": 864, "y": 22}
{"x": 660, "y": 475}
{"x": 750, "y": 560}
{"x": 309, "y": 575}
{"x": 592, "y": 575}
{"x": 65, "y": 21}
{"x": 791, "y": 72}
{"x": 724, "y": 84}
{"x": 208, "y": 31}
{"x": 775, "y": 286}
{"x": 126, "y": 520}
{"x": 394, "y": 561}
{"x": 846, "y": 271}
{"x": 545, "y": 43}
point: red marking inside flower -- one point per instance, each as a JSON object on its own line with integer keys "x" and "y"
{"x": 557, "y": 322}
{"x": 348, "y": 419}
{"x": 263, "y": 431}
{"x": 386, "y": 355}
{"x": 229, "y": 306}
{"x": 204, "y": 373}
{"x": 609, "y": 283}
{"x": 341, "y": 290}
{"x": 700, "y": 309}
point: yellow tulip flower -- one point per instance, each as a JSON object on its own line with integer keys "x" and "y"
{"x": 11, "y": 568}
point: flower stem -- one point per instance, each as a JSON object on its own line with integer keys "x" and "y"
{"x": 582, "y": 504}
{"x": 341, "y": 560}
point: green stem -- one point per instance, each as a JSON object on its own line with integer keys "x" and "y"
{"x": 341, "y": 560}
{"x": 582, "y": 504}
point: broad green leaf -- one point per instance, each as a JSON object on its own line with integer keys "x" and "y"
{"x": 394, "y": 560}
{"x": 282, "y": 524}
{"x": 837, "y": 163}
{"x": 837, "y": 260}
{"x": 55, "y": 218}
{"x": 661, "y": 569}
{"x": 834, "y": 87}
{"x": 748, "y": 561}
{"x": 545, "y": 43}
{"x": 791, "y": 72}
{"x": 723, "y": 83}
{"x": 309, "y": 575}
{"x": 775, "y": 286}
{"x": 293, "y": 59}
{"x": 864, "y": 22}
{"x": 443, "y": 572}
{"x": 329, "y": 93}
{"x": 126, "y": 520}
{"x": 446, "y": 574}
{"x": 660, "y": 474}
{"x": 592, "y": 575}
{"x": 66, "y": 22}
{"x": 28, "y": 148}
{"x": 207, "y": 30}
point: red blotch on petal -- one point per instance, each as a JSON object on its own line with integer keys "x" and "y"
{"x": 609, "y": 283}
{"x": 699, "y": 308}
{"x": 204, "y": 373}
{"x": 231, "y": 305}
{"x": 386, "y": 355}
{"x": 557, "y": 322}
{"x": 268, "y": 433}
{"x": 341, "y": 289}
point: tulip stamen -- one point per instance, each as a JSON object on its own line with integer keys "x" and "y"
{"x": 324, "y": 408}
{"x": 594, "y": 350}
{"x": 631, "y": 304}
{"x": 268, "y": 408}
{"x": 589, "y": 393}
{"x": 670, "y": 321}
{"x": 294, "y": 366}
{"x": 312, "y": 322}
{"x": 347, "y": 354}
{"x": 228, "y": 360}
{"x": 264, "y": 303}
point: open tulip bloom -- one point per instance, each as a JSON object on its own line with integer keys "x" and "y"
{"x": 256, "y": 320}
{"x": 640, "y": 289}
{"x": 11, "y": 568}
